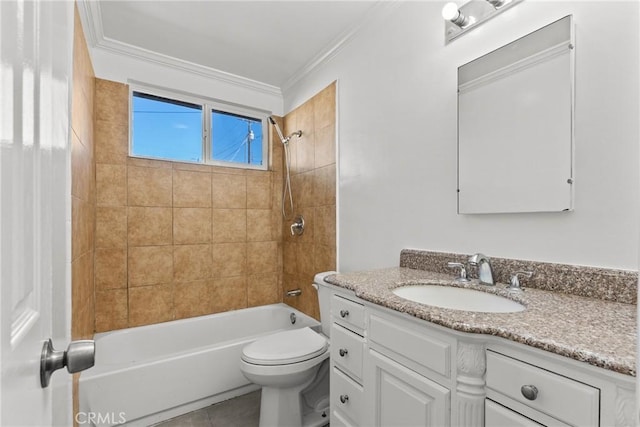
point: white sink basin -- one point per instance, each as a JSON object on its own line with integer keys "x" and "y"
{"x": 458, "y": 298}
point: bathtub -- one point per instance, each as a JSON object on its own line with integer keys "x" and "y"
{"x": 151, "y": 373}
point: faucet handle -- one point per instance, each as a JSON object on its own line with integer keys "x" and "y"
{"x": 514, "y": 282}
{"x": 463, "y": 271}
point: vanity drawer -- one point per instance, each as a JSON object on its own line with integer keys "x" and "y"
{"x": 347, "y": 397}
{"x": 426, "y": 350}
{"x": 347, "y": 312}
{"x": 567, "y": 400}
{"x": 346, "y": 350}
{"x": 496, "y": 415}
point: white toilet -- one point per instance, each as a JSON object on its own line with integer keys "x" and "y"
{"x": 292, "y": 368}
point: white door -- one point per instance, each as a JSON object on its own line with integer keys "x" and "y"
{"x": 36, "y": 41}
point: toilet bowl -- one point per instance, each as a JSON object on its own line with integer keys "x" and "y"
{"x": 287, "y": 364}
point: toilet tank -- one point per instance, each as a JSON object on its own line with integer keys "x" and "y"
{"x": 324, "y": 300}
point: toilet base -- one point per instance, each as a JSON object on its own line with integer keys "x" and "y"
{"x": 280, "y": 407}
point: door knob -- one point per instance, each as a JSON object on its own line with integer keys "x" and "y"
{"x": 80, "y": 355}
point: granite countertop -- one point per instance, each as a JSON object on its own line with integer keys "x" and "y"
{"x": 598, "y": 332}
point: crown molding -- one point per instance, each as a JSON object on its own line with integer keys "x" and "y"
{"x": 337, "y": 44}
{"x": 117, "y": 47}
{"x": 91, "y": 16}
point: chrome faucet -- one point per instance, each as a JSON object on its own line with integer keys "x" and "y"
{"x": 485, "y": 273}
{"x": 462, "y": 277}
{"x": 514, "y": 282}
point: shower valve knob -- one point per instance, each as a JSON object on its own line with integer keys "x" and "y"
{"x": 297, "y": 228}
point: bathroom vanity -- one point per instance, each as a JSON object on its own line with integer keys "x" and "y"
{"x": 397, "y": 362}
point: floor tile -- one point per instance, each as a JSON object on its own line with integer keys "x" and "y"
{"x": 197, "y": 418}
{"x": 242, "y": 411}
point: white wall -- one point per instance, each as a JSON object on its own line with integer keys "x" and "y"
{"x": 397, "y": 138}
{"x": 121, "y": 68}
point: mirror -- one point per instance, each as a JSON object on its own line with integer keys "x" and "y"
{"x": 515, "y": 125}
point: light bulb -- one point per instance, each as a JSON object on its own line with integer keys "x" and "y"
{"x": 450, "y": 11}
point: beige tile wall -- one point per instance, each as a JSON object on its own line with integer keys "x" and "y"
{"x": 82, "y": 188}
{"x": 313, "y": 180}
{"x": 83, "y": 191}
{"x": 176, "y": 240}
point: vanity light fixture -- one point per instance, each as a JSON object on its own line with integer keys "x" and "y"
{"x": 460, "y": 19}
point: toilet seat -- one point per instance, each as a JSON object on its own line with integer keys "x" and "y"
{"x": 286, "y": 347}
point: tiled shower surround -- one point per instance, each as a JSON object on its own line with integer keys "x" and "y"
{"x": 313, "y": 182}
{"x": 177, "y": 240}
{"x": 83, "y": 191}
{"x": 83, "y": 194}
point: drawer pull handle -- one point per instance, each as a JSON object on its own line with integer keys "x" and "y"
{"x": 343, "y": 352}
{"x": 530, "y": 392}
{"x": 344, "y": 398}
{"x": 344, "y": 313}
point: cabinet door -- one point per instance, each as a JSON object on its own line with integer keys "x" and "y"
{"x": 399, "y": 396}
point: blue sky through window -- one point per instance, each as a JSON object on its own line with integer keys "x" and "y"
{"x": 235, "y": 138}
{"x": 166, "y": 129}
{"x": 170, "y": 129}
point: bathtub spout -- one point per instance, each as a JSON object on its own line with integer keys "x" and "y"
{"x": 294, "y": 293}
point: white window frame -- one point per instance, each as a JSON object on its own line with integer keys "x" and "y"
{"x": 208, "y": 105}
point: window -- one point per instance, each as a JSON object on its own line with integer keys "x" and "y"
{"x": 236, "y": 138}
{"x": 173, "y": 127}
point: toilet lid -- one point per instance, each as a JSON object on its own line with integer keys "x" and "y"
{"x": 285, "y": 347}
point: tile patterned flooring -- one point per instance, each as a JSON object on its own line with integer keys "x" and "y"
{"x": 242, "y": 411}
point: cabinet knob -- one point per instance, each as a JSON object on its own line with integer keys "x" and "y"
{"x": 344, "y": 398}
{"x": 343, "y": 352}
{"x": 530, "y": 392}
{"x": 344, "y": 313}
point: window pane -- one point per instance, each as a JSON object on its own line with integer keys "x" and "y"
{"x": 236, "y": 138}
{"x": 166, "y": 129}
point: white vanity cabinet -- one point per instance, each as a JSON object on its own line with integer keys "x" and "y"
{"x": 406, "y": 373}
{"x": 347, "y": 349}
{"x": 398, "y": 396}
{"x": 385, "y": 371}
{"x": 391, "y": 369}
{"x": 542, "y": 395}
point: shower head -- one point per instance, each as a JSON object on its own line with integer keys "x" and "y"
{"x": 283, "y": 139}
{"x": 275, "y": 125}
